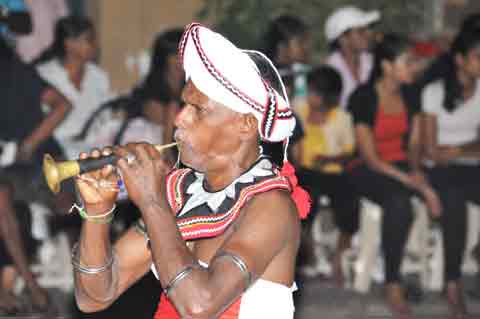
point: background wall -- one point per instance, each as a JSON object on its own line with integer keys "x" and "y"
{"x": 126, "y": 28}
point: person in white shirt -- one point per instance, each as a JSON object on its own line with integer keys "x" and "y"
{"x": 67, "y": 65}
{"x": 452, "y": 124}
{"x": 348, "y": 32}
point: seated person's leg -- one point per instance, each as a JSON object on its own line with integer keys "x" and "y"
{"x": 395, "y": 200}
{"x": 455, "y": 186}
{"x": 345, "y": 206}
{"x": 9, "y": 304}
{"x": 11, "y": 236}
{"x": 312, "y": 182}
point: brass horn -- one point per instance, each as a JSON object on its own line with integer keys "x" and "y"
{"x": 56, "y": 172}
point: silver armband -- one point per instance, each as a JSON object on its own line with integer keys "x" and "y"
{"x": 77, "y": 265}
{"x": 141, "y": 229}
{"x": 237, "y": 261}
{"x": 182, "y": 274}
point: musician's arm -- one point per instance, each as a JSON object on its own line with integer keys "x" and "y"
{"x": 257, "y": 240}
{"x": 132, "y": 261}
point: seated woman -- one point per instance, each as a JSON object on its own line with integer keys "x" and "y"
{"x": 324, "y": 150}
{"x": 452, "y": 124}
{"x": 67, "y": 65}
{"x": 163, "y": 85}
{"x": 149, "y": 111}
{"x": 388, "y": 171}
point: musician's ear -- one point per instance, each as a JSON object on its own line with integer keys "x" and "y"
{"x": 248, "y": 126}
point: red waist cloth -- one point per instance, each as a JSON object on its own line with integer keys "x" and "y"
{"x": 389, "y": 132}
{"x": 166, "y": 310}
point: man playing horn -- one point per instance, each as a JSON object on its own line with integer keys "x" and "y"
{"x": 222, "y": 234}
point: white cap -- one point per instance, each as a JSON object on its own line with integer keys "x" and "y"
{"x": 229, "y": 76}
{"x": 347, "y": 18}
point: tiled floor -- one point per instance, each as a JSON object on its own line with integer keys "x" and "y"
{"x": 321, "y": 300}
{"x": 315, "y": 299}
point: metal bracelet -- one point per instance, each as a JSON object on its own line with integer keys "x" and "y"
{"x": 141, "y": 229}
{"x": 103, "y": 218}
{"x": 182, "y": 274}
{"x": 77, "y": 265}
{"x": 240, "y": 264}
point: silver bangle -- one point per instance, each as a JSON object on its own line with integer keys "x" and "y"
{"x": 240, "y": 264}
{"x": 182, "y": 274}
{"x": 141, "y": 229}
{"x": 77, "y": 265}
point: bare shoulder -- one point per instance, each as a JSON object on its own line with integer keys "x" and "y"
{"x": 267, "y": 234}
{"x": 275, "y": 206}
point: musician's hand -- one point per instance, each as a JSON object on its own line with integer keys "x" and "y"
{"x": 98, "y": 189}
{"x": 144, "y": 176}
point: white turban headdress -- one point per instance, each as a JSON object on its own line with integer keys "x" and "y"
{"x": 228, "y": 75}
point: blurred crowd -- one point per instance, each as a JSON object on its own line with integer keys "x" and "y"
{"x": 384, "y": 117}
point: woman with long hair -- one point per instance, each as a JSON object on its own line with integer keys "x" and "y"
{"x": 452, "y": 124}
{"x": 68, "y": 66}
{"x": 388, "y": 171}
{"x": 160, "y": 92}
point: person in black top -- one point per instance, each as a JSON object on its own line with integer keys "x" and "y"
{"x": 388, "y": 172}
{"x": 22, "y": 92}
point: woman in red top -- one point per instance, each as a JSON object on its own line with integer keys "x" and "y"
{"x": 388, "y": 171}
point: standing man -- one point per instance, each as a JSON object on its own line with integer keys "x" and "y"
{"x": 244, "y": 210}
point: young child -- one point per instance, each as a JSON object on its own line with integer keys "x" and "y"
{"x": 321, "y": 155}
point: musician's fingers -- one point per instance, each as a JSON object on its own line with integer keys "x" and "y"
{"x": 85, "y": 180}
{"x": 153, "y": 153}
{"x": 122, "y": 152}
{"x": 107, "y": 151}
{"x": 107, "y": 169}
{"x": 141, "y": 153}
{"x": 131, "y": 149}
{"x": 159, "y": 157}
{"x": 95, "y": 153}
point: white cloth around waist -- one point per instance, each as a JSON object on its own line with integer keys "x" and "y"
{"x": 263, "y": 299}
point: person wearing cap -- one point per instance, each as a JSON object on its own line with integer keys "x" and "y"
{"x": 222, "y": 233}
{"x": 347, "y": 30}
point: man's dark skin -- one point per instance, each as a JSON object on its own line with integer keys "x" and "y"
{"x": 222, "y": 144}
